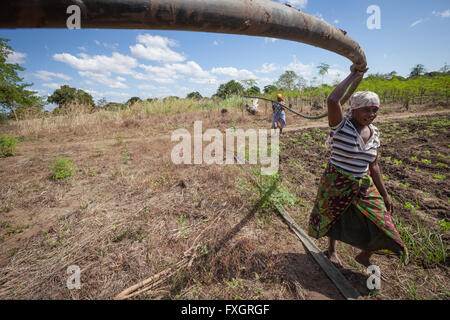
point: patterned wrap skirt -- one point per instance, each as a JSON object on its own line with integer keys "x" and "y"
{"x": 353, "y": 211}
{"x": 279, "y": 115}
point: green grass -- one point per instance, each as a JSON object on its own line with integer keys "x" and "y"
{"x": 444, "y": 225}
{"x": 426, "y": 247}
{"x": 404, "y": 185}
{"x": 410, "y": 206}
{"x": 62, "y": 169}
{"x": 7, "y": 145}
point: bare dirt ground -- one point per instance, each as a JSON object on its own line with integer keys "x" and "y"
{"x": 129, "y": 212}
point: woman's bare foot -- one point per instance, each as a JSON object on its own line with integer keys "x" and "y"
{"x": 334, "y": 258}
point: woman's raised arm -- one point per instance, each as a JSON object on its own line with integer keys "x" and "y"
{"x": 335, "y": 113}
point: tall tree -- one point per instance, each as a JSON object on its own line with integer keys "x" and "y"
{"x": 253, "y": 90}
{"x": 194, "y": 95}
{"x": 66, "y": 95}
{"x": 301, "y": 83}
{"x": 270, "y": 88}
{"x": 418, "y": 70}
{"x": 287, "y": 80}
{"x": 248, "y": 83}
{"x": 229, "y": 88}
{"x": 13, "y": 91}
{"x": 323, "y": 69}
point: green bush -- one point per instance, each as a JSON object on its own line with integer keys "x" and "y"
{"x": 62, "y": 169}
{"x": 7, "y": 145}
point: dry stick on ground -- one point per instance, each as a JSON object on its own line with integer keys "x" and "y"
{"x": 163, "y": 276}
{"x": 154, "y": 281}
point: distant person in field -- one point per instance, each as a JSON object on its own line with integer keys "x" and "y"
{"x": 279, "y": 116}
{"x": 352, "y": 203}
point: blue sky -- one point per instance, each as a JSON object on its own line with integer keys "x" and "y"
{"x": 119, "y": 64}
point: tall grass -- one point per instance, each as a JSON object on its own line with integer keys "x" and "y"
{"x": 81, "y": 120}
{"x": 425, "y": 246}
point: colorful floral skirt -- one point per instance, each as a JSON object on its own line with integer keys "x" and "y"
{"x": 353, "y": 211}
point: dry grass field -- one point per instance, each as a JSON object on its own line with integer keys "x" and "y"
{"x": 123, "y": 211}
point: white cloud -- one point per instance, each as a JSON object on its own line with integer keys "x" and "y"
{"x": 116, "y": 63}
{"x": 204, "y": 81}
{"x": 301, "y": 69}
{"x": 93, "y": 93}
{"x": 334, "y": 75}
{"x": 104, "y": 79}
{"x": 169, "y": 73}
{"x": 268, "y": 67}
{"x": 215, "y": 42}
{"x": 156, "y": 48}
{"x": 48, "y": 76}
{"x": 157, "y": 74}
{"x": 116, "y": 95}
{"x": 82, "y": 48}
{"x": 443, "y": 14}
{"x": 189, "y": 68}
{"x": 234, "y": 73}
{"x": 113, "y": 46}
{"x": 52, "y": 85}
{"x": 16, "y": 57}
{"x": 336, "y": 21}
{"x": 146, "y": 86}
{"x": 415, "y": 23}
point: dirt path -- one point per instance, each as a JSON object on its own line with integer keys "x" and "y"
{"x": 380, "y": 118}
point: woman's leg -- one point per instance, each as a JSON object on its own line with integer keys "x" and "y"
{"x": 332, "y": 251}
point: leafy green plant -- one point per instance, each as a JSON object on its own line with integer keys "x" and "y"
{"x": 307, "y": 136}
{"x": 182, "y": 225}
{"x": 118, "y": 234}
{"x": 426, "y": 161}
{"x": 440, "y": 164}
{"x": 410, "y": 206}
{"x": 445, "y": 225}
{"x": 404, "y": 185}
{"x": 126, "y": 157}
{"x": 439, "y": 176}
{"x": 7, "y": 145}
{"x": 62, "y": 169}
{"x": 398, "y": 162}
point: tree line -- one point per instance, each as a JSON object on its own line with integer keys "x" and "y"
{"x": 17, "y": 100}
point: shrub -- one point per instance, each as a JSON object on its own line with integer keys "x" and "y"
{"x": 62, "y": 169}
{"x": 7, "y": 146}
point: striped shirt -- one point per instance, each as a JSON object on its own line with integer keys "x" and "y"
{"x": 348, "y": 150}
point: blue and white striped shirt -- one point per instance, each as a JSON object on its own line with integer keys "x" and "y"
{"x": 348, "y": 150}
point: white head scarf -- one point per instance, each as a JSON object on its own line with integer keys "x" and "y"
{"x": 358, "y": 100}
{"x": 362, "y": 99}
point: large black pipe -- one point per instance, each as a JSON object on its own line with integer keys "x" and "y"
{"x": 263, "y": 18}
